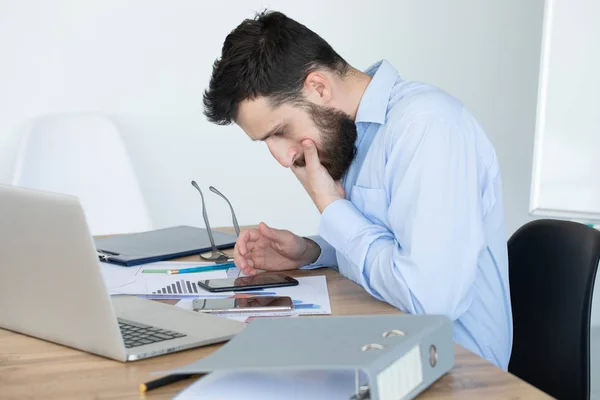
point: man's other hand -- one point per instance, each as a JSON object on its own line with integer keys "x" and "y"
{"x": 315, "y": 178}
{"x": 272, "y": 249}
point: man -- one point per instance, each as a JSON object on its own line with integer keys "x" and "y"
{"x": 406, "y": 181}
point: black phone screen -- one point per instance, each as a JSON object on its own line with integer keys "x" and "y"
{"x": 241, "y": 283}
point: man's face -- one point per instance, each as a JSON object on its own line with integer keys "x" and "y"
{"x": 283, "y": 128}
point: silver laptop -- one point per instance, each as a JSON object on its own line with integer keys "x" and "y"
{"x": 51, "y": 287}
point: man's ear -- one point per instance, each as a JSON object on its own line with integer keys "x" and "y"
{"x": 317, "y": 88}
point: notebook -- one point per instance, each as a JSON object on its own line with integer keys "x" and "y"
{"x": 159, "y": 245}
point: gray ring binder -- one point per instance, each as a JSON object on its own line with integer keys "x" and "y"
{"x": 392, "y": 356}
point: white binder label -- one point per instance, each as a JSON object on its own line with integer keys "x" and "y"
{"x": 401, "y": 377}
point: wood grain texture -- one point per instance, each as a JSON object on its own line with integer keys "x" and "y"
{"x": 34, "y": 369}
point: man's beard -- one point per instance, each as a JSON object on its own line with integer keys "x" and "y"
{"x": 338, "y": 136}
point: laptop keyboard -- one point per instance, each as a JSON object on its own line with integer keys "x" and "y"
{"x": 136, "y": 334}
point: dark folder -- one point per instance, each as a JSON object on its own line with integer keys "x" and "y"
{"x": 159, "y": 245}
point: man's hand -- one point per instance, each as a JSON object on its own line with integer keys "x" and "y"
{"x": 273, "y": 250}
{"x": 315, "y": 178}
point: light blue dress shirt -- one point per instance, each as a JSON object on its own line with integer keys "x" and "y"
{"x": 422, "y": 225}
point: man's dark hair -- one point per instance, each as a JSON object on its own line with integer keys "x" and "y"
{"x": 270, "y": 55}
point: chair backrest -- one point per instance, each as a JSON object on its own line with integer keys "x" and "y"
{"x": 83, "y": 154}
{"x": 552, "y": 269}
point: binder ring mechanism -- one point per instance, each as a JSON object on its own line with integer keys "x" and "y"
{"x": 216, "y": 255}
{"x": 361, "y": 392}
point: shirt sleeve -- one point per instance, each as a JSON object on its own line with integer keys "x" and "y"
{"x": 327, "y": 257}
{"x": 424, "y": 258}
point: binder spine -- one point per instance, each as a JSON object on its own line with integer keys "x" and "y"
{"x": 430, "y": 357}
{"x": 401, "y": 377}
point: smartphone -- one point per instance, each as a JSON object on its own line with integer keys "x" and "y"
{"x": 241, "y": 283}
{"x": 241, "y": 305}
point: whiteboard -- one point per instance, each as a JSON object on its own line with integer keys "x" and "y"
{"x": 566, "y": 162}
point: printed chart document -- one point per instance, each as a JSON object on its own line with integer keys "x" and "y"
{"x": 133, "y": 281}
{"x": 310, "y": 297}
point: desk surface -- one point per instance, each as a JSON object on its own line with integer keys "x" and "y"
{"x": 32, "y": 368}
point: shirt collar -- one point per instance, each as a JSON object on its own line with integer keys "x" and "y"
{"x": 374, "y": 101}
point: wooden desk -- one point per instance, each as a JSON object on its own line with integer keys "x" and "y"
{"x": 32, "y": 368}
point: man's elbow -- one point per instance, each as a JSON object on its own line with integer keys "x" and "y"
{"x": 448, "y": 303}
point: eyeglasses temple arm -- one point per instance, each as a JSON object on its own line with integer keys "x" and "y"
{"x": 235, "y": 222}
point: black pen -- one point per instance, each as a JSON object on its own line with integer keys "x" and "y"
{"x": 165, "y": 380}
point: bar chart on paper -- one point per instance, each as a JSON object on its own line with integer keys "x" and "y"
{"x": 182, "y": 286}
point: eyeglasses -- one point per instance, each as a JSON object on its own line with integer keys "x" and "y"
{"x": 216, "y": 255}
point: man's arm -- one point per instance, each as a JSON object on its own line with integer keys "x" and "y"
{"x": 427, "y": 261}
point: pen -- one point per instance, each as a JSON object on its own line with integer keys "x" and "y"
{"x": 200, "y": 269}
{"x": 165, "y": 380}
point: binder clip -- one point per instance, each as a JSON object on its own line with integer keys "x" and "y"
{"x": 104, "y": 255}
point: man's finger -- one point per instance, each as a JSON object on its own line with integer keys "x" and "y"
{"x": 254, "y": 235}
{"x": 240, "y": 244}
{"x": 249, "y": 270}
{"x": 311, "y": 156}
{"x": 254, "y": 263}
{"x": 244, "y": 238}
{"x": 268, "y": 232}
{"x": 248, "y": 267}
{"x": 239, "y": 260}
{"x": 250, "y": 246}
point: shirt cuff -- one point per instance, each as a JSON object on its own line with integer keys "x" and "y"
{"x": 327, "y": 257}
{"x": 340, "y": 223}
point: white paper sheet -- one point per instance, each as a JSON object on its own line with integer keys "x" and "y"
{"x": 276, "y": 385}
{"x": 132, "y": 281}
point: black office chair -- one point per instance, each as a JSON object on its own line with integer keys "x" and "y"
{"x": 552, "y": 269}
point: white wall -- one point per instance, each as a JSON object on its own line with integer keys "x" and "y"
{"x": 146, "y": 62}
{"x": 565, "y": 182}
